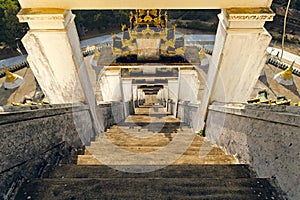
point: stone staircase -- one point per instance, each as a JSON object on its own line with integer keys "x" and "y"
{"x": 151, "y": 155}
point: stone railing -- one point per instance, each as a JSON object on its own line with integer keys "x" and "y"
{"x": 33, "y": 138}
{"x": 264, "y": 136}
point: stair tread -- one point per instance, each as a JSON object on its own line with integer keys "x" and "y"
{"x": 179, "y": 171}
{"x": 214, "y": 175}
{"x": 144, "y": 187}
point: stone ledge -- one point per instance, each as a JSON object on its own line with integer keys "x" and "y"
{"x": 23, "y": 113}
{"x": 279, "y": 114}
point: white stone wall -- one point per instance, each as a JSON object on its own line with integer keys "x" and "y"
{"x": 266, "y": 137}
{"x": 189, "y": 86}
{"x": 111, "y": 86}
{"x": 127, "y": 90}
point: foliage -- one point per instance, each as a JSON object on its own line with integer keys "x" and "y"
{"x": 199, "y": 25}
{"x": 10, "y": 28}
{"x": 288, "y": 39}
{"x": 101, "y": 19}
{"x": 201, "y": 133}
{"x": 294, "y": 3}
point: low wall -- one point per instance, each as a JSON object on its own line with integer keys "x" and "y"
{"x": 40, "y": 136}
{"x": 266, "y": 137}
{"x": 171, "y": 108}
{"x": 188, "y": 113}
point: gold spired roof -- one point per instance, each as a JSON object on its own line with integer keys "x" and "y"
{"x": 147, "y": 37}
{"x": 151, "y": 17}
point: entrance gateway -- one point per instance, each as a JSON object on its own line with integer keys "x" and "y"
{"x": 237, "y": 60}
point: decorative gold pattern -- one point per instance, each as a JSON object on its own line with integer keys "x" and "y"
{"x": 250, "y": 14}
{"x": 147, "y": 24}
{"x": 180, "y": 51}
{"x": 250, "y": 17}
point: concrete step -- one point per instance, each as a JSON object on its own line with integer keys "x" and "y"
{"x": 170, "y": 171}
{"x": 155, "y": 140}
{"x": 207, "y": 159}
{"x": 153, "y": 159}
{"x": 158, "y": 131}
{"x": 192, "y": 150}
{"x": 148, "y": 188}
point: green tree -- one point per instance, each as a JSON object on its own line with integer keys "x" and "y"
{"x": 10, "y": 28}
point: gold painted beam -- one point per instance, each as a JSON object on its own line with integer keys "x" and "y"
{"x": 143, "y": 4}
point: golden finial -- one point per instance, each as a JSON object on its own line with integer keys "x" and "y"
{"x": 202, "y": 52}
{"x": 285, "y": 77}
{"x": 166, "y": 16}
{"x": 174, "y": 27}
{"x": 148, "y": 18}
{"x": 12, "y": 80}
{"x": 123, "y": 27}
{"x": 10, "y": 77}
{"x": 97, "y": 53}
{"x": 287, "y": 74}
{"x": 153, "y": 12}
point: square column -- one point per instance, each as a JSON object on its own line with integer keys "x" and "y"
{"x": 173, "y": 95}
{"x": 135, "y": 96}
{"x": 55, "y": 57}
{"x": 165, "y": 96}
{"x": 127, "y": 89}
{"x": 238, "y": 56}
{"x": 127, "y": 96}
{"x": 188, "y": 85}
{"x": 111, "y": 85}
{"x": 54, "y": 53}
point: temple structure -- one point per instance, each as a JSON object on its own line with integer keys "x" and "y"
{"x": 149, "y": 59}
{"x": 146, "y": 58}
{"x": 148, "y": 37}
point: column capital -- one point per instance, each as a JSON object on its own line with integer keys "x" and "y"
{"x": 246, "y": 17}
{"x": 46, "y": 18}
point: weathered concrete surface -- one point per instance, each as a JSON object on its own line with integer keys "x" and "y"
{"x": 157, "y": 138}
{"x": 151, "y": 130}
{"x": 32, "y": 140}
{"x": 266, "y": 137}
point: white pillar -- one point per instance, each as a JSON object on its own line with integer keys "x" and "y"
{"x": 111, "y": 85}
{"x": 127, "y": 96}
{"x": 173, "y": 94}
{"x": 54, "y": 52}
{"x": 127, "y": 89}
{"x": 238, "y": 56}
{"x": 56, "y": 59}
{"x": 189, "y": 85}
{"x": 134, "y": 95}
{"x": 166, "y": 96}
